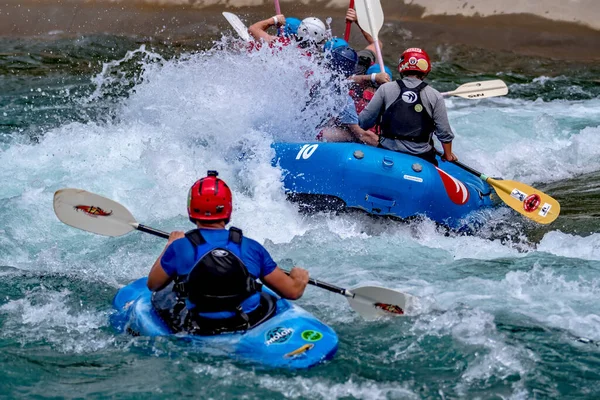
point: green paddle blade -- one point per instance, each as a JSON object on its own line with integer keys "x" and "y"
{"x": 370, "y": 16}
{"x": 237, "y": 25}
{"x": 93, "y": 213}
{"x": 480, "y": 90}
{"x": 374, "y": 301}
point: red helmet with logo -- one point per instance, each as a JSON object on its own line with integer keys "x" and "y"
{"x": 209, "y": 200}
{"x": 414, "y": 60}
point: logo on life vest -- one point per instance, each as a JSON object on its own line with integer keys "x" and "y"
{"x": 457, "y": 191}
{"x": 93, "y": 211}
{"x": 219, "y": 253}
{"x": 278, "y": 335}
{"x": 409, "y": 97}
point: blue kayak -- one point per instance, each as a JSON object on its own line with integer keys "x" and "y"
{"x": 292, "y": 338}
{"x": 380, "y": 182}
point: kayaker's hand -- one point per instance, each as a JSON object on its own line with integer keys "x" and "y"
{"x": 382, "y": 77}
{"x": 351, "y": 15}
{"x": 280, "y": 19}
{"x": 449, "y": 157}
{"x": 173, "y": 236}
{"x": 300, "y": 276}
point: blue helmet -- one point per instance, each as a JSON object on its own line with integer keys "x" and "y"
{"x": 291, "y": 26}
{"x": 374, "y": 69}
{"x": 334, "y": 43}
{"x": 343, "y": 60}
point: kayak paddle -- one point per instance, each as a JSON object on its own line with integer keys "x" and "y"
{"x": 522, "y": 198}
{"x": 480, "y": 90}
{"x": 237, "y": 25}
{"x": 348, "y": 24}
{"x": 97, "y": 214}
{"x": 370, "y": 18}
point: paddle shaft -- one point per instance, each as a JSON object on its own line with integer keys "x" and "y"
{"x": 466, "y": 167}
{"x": 314, "y": 282}
{"x": 348, "y": 24}
{"x": 278, "y": 11}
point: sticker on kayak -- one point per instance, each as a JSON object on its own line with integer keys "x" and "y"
{"x": 312, "y": 336}
{"x": 413, "y": 178}
{"x": 545, "y": 209}
{"x": 457, "y": 191}
{"x": 278, "y": 335}
{"x": 517, "y": 194}
{"x": 299, "y": 351}
{"x": 93, "y": 211}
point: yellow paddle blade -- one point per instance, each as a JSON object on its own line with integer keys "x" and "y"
{"x": 524, "y": 199}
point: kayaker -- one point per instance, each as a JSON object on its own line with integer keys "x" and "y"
{"x": 410, "y": 111}
{"x": 311, "y": 31}
{"x": 344, "y": 127}
{"x": 207, "y": 278}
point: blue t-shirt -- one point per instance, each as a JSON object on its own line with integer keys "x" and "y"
{"x": 348, "y": 116}
{"x": 180, "y": 258}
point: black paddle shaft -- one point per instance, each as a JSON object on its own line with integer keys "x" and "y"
{"x": 463, "y": 166}
{"x": 324, "y": 285}
{"x": 314, "y": 282}
{"x": 152, "y": 231}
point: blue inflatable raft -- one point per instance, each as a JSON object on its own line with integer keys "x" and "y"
{"x": 292, "y": 338}
{"x": 379, "y": 181}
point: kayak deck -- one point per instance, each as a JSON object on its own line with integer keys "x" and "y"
{"x": 292, "y": 338}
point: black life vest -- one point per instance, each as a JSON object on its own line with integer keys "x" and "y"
{"x": 407, "y": 119}
{"x": 219, "y": 281}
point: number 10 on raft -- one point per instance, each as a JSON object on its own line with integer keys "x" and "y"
{"x": 306, "y": 151}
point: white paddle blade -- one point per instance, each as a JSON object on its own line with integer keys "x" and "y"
{"x": 370, "y": 16}
{"x": 372, "y": 302}
{"x": 93, "y": 213}
{"x": 480, "y": 90}
{"x": 237, "y": 25}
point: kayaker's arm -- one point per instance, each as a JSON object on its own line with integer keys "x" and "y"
{"x": 289, "y": 287}
{"x": 158, "y": 278}
{"x": 259, "y": 29}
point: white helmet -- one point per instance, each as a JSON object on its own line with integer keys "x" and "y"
{"x": 312, "y": 29}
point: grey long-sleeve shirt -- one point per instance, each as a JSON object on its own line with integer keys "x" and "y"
{"x": 433, "y": 102}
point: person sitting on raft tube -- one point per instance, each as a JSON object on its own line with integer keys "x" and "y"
{"x": 215, "y": 270}
{"x": 308, "y": 32}
{"x": 364, "y": 84}
{"x": 410, "y": 111}
{"x": 345, "y": 127}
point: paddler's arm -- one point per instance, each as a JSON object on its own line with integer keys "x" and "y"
{"x": 158, "y": 278}
{"x": 365, "y": 80}
{"x": 259, "y": 29}
{"x": 367, "y": 137}
{"x": 443, "y": 131}
{"x": 287, "y": 286}
{"x": 351, "y": 17}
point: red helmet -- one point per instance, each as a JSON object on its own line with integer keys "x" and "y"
{"x": 209, "y": 200}
{"x": 415, "y": 60}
